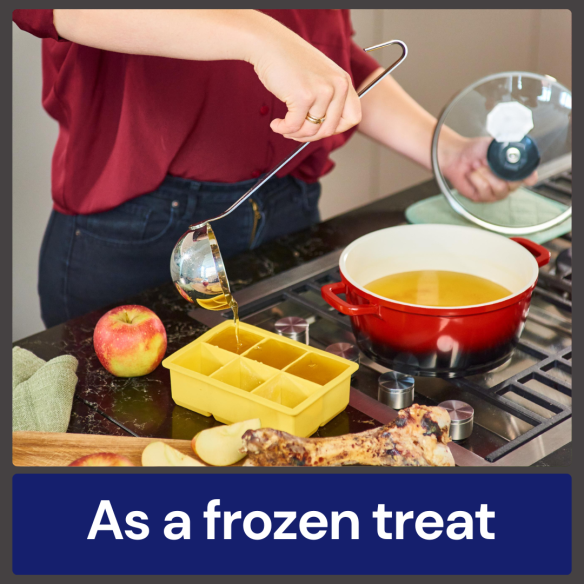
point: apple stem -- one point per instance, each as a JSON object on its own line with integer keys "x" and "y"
{"x": 128, "y": 319}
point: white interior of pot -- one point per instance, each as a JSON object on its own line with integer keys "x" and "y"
{"x": 439, "y": 247}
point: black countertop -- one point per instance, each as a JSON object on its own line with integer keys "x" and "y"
{"x": 143, "y": 406}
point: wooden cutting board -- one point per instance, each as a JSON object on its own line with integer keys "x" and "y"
{"x": 56, "y": 449}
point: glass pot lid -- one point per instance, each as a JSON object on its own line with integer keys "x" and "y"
{"x": 524, "y": 121}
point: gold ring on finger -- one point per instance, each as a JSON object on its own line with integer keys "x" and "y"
{"x": 315, "y": 120}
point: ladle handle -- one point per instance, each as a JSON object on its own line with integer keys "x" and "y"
{"x": 303, "y": 146}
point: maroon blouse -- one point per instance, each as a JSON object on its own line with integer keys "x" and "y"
{"x": 126, "y": 121}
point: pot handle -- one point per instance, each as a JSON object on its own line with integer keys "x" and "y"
{"x": 540, "y": 253}
{"x": 330, "y": 294}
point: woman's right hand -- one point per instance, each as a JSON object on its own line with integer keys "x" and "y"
{"x": 464, "y": 164}
{"x": 307, "y": 81}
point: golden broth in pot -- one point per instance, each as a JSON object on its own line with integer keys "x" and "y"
{"x": 437, "y": 288}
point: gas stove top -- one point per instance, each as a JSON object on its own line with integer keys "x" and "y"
{"x": 522, "y": 410}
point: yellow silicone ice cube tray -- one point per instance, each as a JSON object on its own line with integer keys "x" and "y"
{"x": 287, "y": 385}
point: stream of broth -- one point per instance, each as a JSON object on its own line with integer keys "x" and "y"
{"x": 220, "y": 303}
{"x": 437, "y": 288}
{"x": 235, "y": 308}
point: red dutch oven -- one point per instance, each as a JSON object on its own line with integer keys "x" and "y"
{"x": 437, "y": 341}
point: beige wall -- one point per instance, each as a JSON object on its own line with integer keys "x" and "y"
{"x": 554, "y": 45}
{"x": 448, "y": 50}
{"x": 34, "y": 135}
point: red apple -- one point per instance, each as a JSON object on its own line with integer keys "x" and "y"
{"x": 130, "y": 341}
{"x": 102, "y": 459}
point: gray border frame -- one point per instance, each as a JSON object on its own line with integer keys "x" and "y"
{"x": 6, "y": 453}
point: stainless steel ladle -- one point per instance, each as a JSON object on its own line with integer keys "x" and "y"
{"x": 196, "y": 265}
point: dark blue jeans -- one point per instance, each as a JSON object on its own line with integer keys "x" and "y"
{"x": 90, "y": 261}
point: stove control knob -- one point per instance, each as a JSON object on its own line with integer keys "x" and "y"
{"x": 461, "y": 418}
{"x": 293, "y": 327}
{"x": 344, "y": 350}
{"x": 395, "y": 390}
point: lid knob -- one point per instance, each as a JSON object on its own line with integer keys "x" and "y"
{"x": 513, "y": 155}
{"x": 513, "y": 161}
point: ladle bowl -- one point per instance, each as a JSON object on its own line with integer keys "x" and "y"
{"x": 197, "y": 269}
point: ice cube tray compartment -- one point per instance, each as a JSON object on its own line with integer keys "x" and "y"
{"x": 225, "y": 339}
{"x": 275, "y": 353}
{"x": 285, "y": 390}
{"x": 244, "y": 374}
{"x": 204, "y": 359}
{"x": 288, "y": 385}
{"x": 317, "y": 369}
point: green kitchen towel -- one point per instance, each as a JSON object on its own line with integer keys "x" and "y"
{"x": 42, "y": 392}
{"x": 520, "y": 208}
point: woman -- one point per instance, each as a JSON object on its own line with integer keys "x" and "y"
{"x": 167, "y": 117}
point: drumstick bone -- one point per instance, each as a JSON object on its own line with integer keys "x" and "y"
{"x": 417, "y": 437}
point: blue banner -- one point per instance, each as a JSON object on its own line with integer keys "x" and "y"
{"x": 292, "y": 524}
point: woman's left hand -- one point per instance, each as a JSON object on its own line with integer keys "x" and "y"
{"x": 464, "y": 163}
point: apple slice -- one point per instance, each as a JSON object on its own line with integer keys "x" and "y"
{"x": 154, "y": 455}
{"x": 176, "y": 458}
{"x": 221, "y": 445}
{"x": 161, "y": 454}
